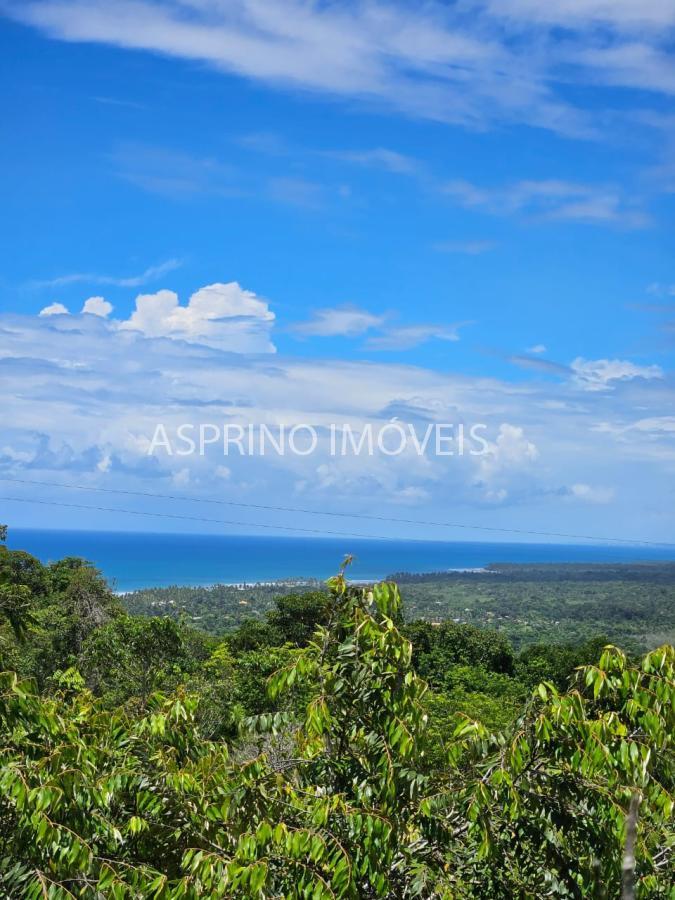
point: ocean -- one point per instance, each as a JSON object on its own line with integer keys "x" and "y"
{"x": 132, "y": 560}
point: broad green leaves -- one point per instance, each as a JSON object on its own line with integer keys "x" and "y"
{"x": 327, "y": 793}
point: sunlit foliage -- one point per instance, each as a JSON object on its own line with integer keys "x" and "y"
{"x": 333, "y": 782}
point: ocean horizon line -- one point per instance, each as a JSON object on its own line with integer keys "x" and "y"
{"x": 526, "y": 539}
{"x": 135, "y": 560}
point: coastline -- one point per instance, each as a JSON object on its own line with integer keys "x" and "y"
{"x": 144, "y": 561}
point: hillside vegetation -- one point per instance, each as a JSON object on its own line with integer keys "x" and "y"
{"x": 324, "y": 749}
{"x": 632, "y": 605}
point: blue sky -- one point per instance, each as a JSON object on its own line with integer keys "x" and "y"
{"x": 459, "y": 211}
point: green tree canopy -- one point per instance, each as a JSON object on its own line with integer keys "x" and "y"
{"x": 112, "y": 802}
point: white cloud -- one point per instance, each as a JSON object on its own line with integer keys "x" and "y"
{"x": 296, "y": 192}
{"x": 574, "y": 13}
{"x": 382, "y": 158}
{"x": 537, "y": 348}
{"x": 661, "y": 290}
{"x": 408, "y": 336}
{"x": 339, "y": 321}
{"x": 598, "y": 374}
{"x": 181, "y": 478}
{"x": 350, "y": 321}
{"x": 634, "y": 63}
{"x": 268, "y": 142}
{"x": 152, "y": 273}
{"x": 82, "y": 398}
{"x": 474, "y": 63}
{"x": 657, "y": 427}
{"x": 592, "y": 494}
{"x": 97, "y": 306}
{"x": 550, "y": 199}
{"x": 160, "y": 170}
{"x": 54, "y": 309}
{"x": 657, "y": 424}
{"x": 470, "y": 248}
{"x": 224, "y": 316}
{"x": 508, "y": 461}
{"x": 511, "y": 449}
{"x": 413, "y": 496}
{"x": 153, "y": 314}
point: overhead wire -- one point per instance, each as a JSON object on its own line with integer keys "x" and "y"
{"x": 297, "y": 510}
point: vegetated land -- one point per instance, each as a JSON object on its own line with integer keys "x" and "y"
{"x": 631, "y": 604}
{"x": 322, "y": 749}
{"x": 216, "y": 608}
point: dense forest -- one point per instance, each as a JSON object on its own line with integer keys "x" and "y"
{"x": 215, "y": 608}
{"x": 333, "y": 744}
{"x": 631, "y": 605}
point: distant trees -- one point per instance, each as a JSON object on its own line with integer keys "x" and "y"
{"x": 436, "y": 648}
{"x": 556, "y": 662}
{"x": 293, "y": 619}
{"x": 219, "y": 608}
{"x": 131, "y": 657}
{"x": 20, "y": 568}
{"x": 52, "y": 609}
{"x": 296, "y": 616}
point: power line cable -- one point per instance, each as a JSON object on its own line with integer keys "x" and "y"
{"x": 159, "y": 515}
{"x": 269, "y": 508}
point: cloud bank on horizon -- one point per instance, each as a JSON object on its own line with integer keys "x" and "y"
{"x": 435, "y": 212}
{"x": 85, "y": 392}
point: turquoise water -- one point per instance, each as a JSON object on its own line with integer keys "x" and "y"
{"x": 131, "y": 560}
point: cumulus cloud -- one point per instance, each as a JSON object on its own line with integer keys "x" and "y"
{"x": 82, "y": 398}
{"x": 511, "y": 449}
{"x": 97, "y": 306}
{"x": 506, "y": 464}
{"x": 537, "y": 348}
{"x": 225, "y": 316}
{"x": 54, "y": 309}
